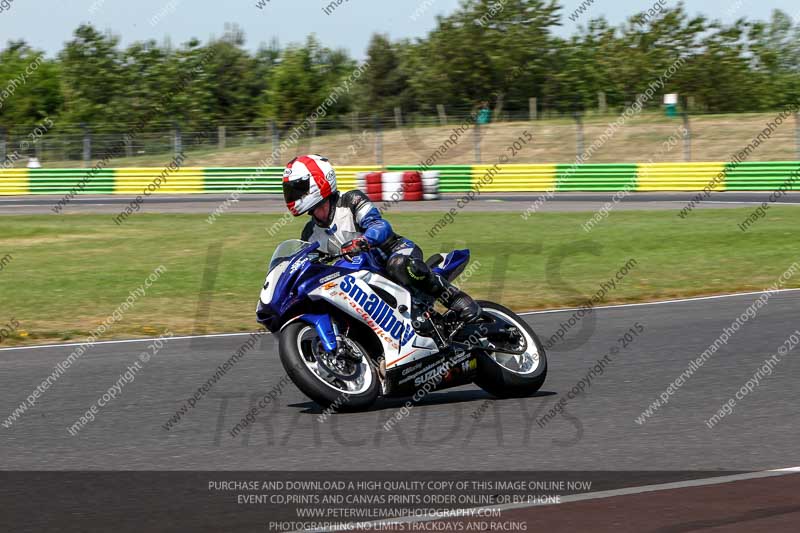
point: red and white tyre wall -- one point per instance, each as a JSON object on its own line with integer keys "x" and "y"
{"x": 409, "y": 186}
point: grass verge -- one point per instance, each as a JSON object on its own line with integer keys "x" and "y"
{"x": 69, "y": 273}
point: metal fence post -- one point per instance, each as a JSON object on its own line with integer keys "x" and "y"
{"x": 87, "y": 144}
{"x": 276, "y": 137}
{"x": 797, "y": 133}
{"x": 177, "y": 139}
{"x": 398, "y": 117}
{"x": 442, "y": 114}
{"x": 687, "y": 138}
{"x": 126, "y": 139}
{"x": 378, "y": 142}
{"x": 579, "y": 143}
{"x": 533, "y": 108}
{"x": 221, "y": 137}
{"x": 498, "y": 108}
{"x": 477, "y": 138}
{"x": 3, "y": 143}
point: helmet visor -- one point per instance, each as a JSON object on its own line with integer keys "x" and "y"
{"x": 294, "y": 190}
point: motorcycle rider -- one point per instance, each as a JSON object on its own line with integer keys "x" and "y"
{"x": 349, "y": 223}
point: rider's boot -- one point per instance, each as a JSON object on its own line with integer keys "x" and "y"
{"x": 459, "y": 302}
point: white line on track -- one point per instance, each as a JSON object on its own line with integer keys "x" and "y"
{"x": 524, "y": 313}
{"x": 749, "y": 203}
{"x": 369, "y": 526}
{"x": 42, "y": 205}
{"x": 657, "y": 302}
{"x": 128, "y": 341}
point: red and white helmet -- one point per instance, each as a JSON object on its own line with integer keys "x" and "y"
{"x": 307, "y": 181}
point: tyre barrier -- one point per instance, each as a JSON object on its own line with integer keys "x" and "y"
{"x": 404, "y": 180}
{"x": 399, "y": 186}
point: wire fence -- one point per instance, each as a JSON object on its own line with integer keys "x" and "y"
{"x": 444, "y": 138}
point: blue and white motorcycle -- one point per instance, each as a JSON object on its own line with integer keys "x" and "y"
{"x": 348, "y": 334}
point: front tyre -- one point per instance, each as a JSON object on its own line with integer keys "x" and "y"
{"x": 349, "y": 384}
{"x": 505, "y": 375}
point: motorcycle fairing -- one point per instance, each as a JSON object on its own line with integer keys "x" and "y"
{"x": 453, "y": 264}
{"x": 353, "y": 294}
{"x": 440, "y": 370}
{"x": 348, "y": 285}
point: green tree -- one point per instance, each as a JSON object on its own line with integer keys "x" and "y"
{"x": 304, "y": 79}
{"x": 385, "y": 83}
{"x": 92, "y": 78}
{"x": 29, "y": 87}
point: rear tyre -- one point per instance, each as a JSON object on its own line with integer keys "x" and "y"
{"x": 509, "y": 376}
{"x": 352, "y": 387}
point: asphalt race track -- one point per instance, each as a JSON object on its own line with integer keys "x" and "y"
{"x": 271, "y": 203}
{"x": 597, "y": 432}
{"x": 139, "y": 466}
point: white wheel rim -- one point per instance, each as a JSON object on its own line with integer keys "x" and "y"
{"x": 361, "y": 384}
{"x": 523, "y": 364}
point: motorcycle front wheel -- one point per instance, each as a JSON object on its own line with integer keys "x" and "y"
{"x": 343, "y": 384}
{"x": 506, "y": 375}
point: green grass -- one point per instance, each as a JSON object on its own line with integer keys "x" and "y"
{"x": 70, "y": 272}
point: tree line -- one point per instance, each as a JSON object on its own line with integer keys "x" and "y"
{"x": 500, "y": 51}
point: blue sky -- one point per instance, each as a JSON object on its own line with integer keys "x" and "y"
{"x": 47, "y": 24}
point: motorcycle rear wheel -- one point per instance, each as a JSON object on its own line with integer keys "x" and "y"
{"x": 510, "y": 376}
